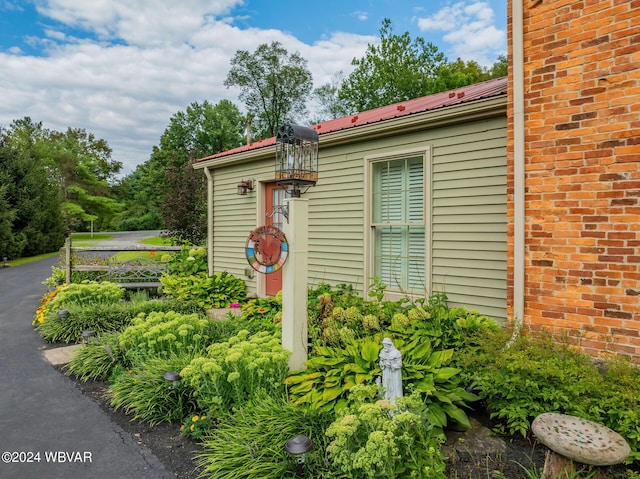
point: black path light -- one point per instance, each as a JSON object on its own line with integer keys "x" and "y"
{"x": 63, "y": 314}
{"x": 173, "y": 377}
{"x": 297, "y": 447}
{"x": 296, "y": 157}
{"x": 87, "y": 336}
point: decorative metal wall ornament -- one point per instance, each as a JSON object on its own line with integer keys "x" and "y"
{"x": 267, "y": 249}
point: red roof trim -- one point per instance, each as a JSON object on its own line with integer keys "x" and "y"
{"x": 436, "y": 101}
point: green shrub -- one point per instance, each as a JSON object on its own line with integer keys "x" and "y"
{"x": 102, "y": 317}
{"x": 151, "y": 220}
{"x": 196, "y": 426}
{"x": 96, "y": 360}
{"x": 265, "y": 313}
{"x": 339, "y": 315}
{"x": 88, "y": 293}
{"x": 232, "y": 372}
{"x": 59, "y": 276}
{"x": 163, "y": 334}
{"x": 190, "y": 260}
{"x": 383, "y": 440}
{"x": 249, "y": 442}
{"x": 217, "y": 291}
{"x": 537, "y": 374}
{"x": 143, "y": 392}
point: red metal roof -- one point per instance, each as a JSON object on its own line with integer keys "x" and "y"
{"x": 458, "y": 96}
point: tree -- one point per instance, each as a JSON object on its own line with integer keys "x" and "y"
{"x": 184, "y": 210}
{"x": 274, "y": 86}
{"x": 500, "y": 68}
{"x": 457, "y": 74}
{"x": 328, "y": 99}
{"x": 31, "y": 222}
{"x": 152, "y": 191}
{"x": 395, "y": 70}
{"x": 83, "y": 169}
{"x": 77, "y": 163}
{"x": 12, "y": 242}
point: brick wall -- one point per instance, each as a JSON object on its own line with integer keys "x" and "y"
{"x": 582, "y": 172}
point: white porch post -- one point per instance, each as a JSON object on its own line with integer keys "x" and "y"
{"x": 294, "y": 283}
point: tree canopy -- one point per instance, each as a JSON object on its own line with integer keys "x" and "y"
{"x": 274, "y": 86}
{"x": 396, "y": 69}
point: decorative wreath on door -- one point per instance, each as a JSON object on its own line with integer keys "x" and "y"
{"x": 267, "y": 249}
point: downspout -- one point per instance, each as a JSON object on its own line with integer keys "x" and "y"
{"x": 207, "y": 173}
{"x": 517, "y": 41}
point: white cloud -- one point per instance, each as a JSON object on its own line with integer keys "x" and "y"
{"x": 137, "y": 22}
{"x": 361, "y": 15}
{"x": 10, "y": 6}
{"x": 164, "y": 56}
{"x": 470, "y": 30}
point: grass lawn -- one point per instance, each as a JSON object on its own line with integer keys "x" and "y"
{"x": 31, "y": 259}
{"x": 132, "y": 255}
{"x": 88, "y": 239}
{"x": 157, "y": 240}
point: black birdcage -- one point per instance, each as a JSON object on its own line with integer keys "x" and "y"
{"x": 296, "y": 157}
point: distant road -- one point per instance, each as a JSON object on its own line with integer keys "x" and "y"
{"x": 127, "y": 238}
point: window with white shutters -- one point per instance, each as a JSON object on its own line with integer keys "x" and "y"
{"x": 398, "y": 223}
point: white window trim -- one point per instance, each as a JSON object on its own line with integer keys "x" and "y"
{"x": 369, "y": 266}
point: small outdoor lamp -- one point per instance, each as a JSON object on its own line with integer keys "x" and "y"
{"x": 63, "y": 314}
{"x": 5, "y": 262}
{"x": 174, "y": 378}
{"x": 296, "y": 157}
{"x": 87, "y": 335}
{"x": 244, "y": 187}
{"x": 297, "y": 447}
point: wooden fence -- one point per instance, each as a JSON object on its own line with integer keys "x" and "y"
{"x": 133, "y": 274}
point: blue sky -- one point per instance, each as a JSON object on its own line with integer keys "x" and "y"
{"x": 121, "y": 68}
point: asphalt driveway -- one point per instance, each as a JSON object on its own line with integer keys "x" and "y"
{"x": 48, "y": 429}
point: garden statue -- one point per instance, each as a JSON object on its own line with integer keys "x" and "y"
{"x": 391, "y": 366}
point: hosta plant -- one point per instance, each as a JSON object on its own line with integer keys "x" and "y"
{"x": 332, "y": 372}
{"x": 217, "y": 291}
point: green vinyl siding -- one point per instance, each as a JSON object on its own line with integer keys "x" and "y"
{"x": 336, "y": 216}
{"x": 469, "y": 221}
{"x": 234, "y": 217}
{"x": 465, "y": 222}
